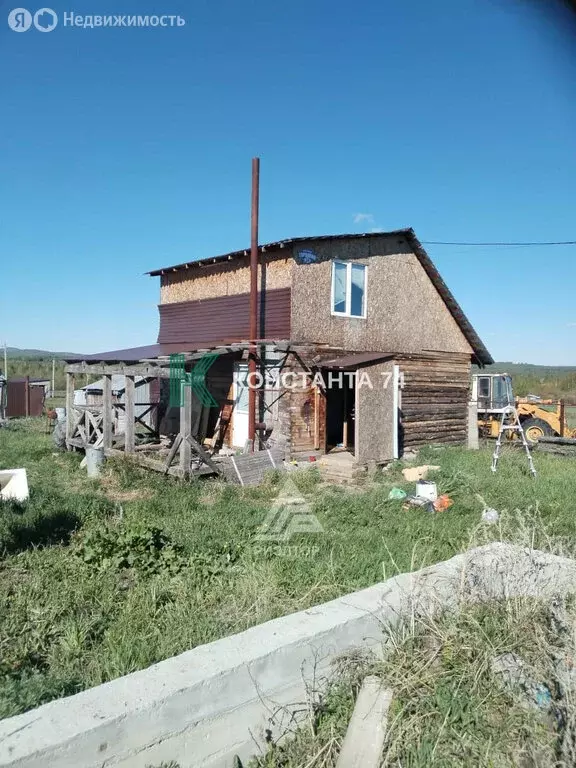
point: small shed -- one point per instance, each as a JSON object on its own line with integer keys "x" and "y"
{"x": 45, "y": 384}
{"x": 25, "y": 397}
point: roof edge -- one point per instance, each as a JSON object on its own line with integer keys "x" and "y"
{"x": 481, "y": 354}
{"x": 276, "y": 245}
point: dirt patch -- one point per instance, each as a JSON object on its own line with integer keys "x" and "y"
{"x": 112, "y": 491}
{"x": 137, "y": 494}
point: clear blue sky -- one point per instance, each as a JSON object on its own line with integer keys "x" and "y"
{"x": 128, "y": 149}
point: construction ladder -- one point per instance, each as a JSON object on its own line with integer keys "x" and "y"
{"x": 510, "y": 422}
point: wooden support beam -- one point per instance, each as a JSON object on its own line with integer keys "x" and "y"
{"x": 107, "y": 410}
{"x": 70, "y": 420}
{"x": 202, "y": 453}
{"x": 147, "y": 370}
{"x": 129, "y": 414}
{"x": 185, "y": 430}
{"x": 173, "y": 452}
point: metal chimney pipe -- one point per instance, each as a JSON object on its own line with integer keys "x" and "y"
{"x": 253, "y": 300}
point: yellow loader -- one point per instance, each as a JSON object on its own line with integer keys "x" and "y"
{"x": 493, "y": 393}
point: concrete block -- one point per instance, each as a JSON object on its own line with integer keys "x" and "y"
{"x": 206, "y": 705}
{"x": 14, "y": 484}
{"x": 364, "y": 740}
{"x": 473, "y": 441}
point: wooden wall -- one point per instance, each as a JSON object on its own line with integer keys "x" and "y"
{"x": 434, "y": 399}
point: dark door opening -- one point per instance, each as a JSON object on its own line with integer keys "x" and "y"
{"x": 340, "y": 405}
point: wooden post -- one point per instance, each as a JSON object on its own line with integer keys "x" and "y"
{"x": 107, "y": 411}
{"x": 129, "y": 424}
{"x": 185, "y": 430}
{"x": 70, "y": 379}
{"x": 562, "y": 417}
{"x": 366, "y": 734}
{"x": 316, "y": 419}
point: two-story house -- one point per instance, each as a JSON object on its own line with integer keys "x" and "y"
{"x": 360, "y": 344}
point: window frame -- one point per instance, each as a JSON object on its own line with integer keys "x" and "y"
{"x": 348, "y": 299}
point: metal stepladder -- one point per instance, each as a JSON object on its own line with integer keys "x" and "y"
{"x": 510, "y": 422}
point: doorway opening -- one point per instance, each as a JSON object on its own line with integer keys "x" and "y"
{"x": 340, "y": 412}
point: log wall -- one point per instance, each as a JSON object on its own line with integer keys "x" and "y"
{"x": 434, "y": 399}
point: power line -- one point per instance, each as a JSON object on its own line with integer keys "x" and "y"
{"x": 500, "y": 245}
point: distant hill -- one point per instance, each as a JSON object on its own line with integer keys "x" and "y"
{"x": 548, "y": 381}
{"x": 528, "y": 369}
{"x": 15, "y": 353}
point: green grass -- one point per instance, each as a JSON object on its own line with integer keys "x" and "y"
{"x": 449, "y": 707}
{"x": 89, "y": 592}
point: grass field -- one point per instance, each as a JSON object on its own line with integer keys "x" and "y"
{"x": 99, "y": 578}
{"x": 450, "y": 708}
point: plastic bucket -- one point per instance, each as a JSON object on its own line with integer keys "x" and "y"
{"x": 94, "y": 461}
{"x": 426, "y": 490}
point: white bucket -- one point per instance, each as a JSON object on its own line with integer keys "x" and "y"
{"x": 426, "y": 490}
{"x": 94, "y": 461}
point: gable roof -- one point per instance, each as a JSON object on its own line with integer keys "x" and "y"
{"x": 481, "y": 354}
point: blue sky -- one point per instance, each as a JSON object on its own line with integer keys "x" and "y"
{"x": 128, "y": 149}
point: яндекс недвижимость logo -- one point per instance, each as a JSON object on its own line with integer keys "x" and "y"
{"x": 45, "y": 20}
{"x": 21, "y": 20}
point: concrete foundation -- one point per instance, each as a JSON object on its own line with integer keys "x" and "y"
{"x": 473, "y": 442}
{"x": 208, "y": 704}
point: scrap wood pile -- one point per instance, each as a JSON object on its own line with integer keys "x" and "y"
{"x": 246, "y": 468}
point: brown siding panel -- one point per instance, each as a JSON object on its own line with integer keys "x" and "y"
{"x": 16, "y": 400}
{"x": 225, "y": 318}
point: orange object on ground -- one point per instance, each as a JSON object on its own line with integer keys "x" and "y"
{"x": 442, "y": 503}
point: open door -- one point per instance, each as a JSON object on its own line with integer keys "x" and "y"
{"x": 340, "y": 412}
{"x": 240, "y": 413}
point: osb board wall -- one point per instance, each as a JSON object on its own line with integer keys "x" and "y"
{"x": 434, "y": 400}
{"x": 404, "y": 310}
{"x": 226, "y": 279}
{"x": 374, "y": 413}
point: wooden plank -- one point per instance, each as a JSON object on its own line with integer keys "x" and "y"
{"x": 197, "y": 448}
{"x": 129, "y": 443}
{"x": 185, "y": 429}
{"x": 557, "y": 440}
{"x": 70, "y": 416}
{"x": 107, "y": 410}
{"x": 147, "y": 370}
{"x": 364, "y": 740}
{"x": 173, "y": 452}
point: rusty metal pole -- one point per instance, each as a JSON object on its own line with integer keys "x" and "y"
{"x": 253, "y": 301}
